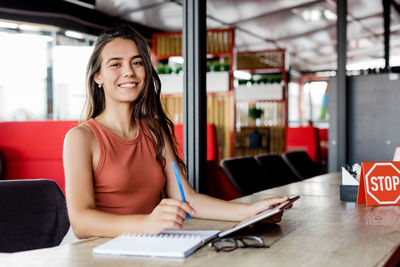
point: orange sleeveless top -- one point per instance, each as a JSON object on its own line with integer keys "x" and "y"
{"x": 128, "y": 179}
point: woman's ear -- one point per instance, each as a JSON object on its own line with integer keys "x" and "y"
{"x": 97, "y": 78}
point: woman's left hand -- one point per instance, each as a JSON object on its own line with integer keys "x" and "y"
{"x": 269, "y": 203}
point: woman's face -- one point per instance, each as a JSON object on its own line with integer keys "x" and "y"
{"x": 122, "y": 73}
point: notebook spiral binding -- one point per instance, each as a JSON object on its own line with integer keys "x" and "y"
{"x": 143, "y": 235}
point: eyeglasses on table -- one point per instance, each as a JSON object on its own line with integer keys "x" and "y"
{"x": 232, "y": 243}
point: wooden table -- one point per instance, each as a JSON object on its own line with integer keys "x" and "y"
{"x": 320, "y": 230}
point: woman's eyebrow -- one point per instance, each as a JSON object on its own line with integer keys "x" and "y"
{"x": 137, "y": 56}
{"x": 120, "y": 58}
{"x": 113, "y": 58}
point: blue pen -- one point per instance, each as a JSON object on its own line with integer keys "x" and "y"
{"x": 178, "y": 179}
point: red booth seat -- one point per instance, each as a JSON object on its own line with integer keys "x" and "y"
{"x": 218, "y": 184}
{"x": 33, "y": 149}
{"x": 304, "y": 138}
{"x": 212, "y": 147}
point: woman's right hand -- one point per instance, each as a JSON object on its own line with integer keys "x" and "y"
{"x": 169, "y": 214}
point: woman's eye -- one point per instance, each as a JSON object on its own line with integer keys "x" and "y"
{"x": 137, "y": 63}
{"x": 115, "y": 65}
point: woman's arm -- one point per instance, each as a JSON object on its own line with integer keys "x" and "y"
{"x": 208, "y": 207}
{"x": 79, "y": 164}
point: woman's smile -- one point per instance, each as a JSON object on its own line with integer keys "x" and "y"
{"x": 128, "y": 85}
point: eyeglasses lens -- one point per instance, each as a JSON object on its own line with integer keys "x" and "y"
{"x": 254, "y": 242}
{"x": 225, "y": 245}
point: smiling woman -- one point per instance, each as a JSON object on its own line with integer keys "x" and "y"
{"x": 118, "y": 164}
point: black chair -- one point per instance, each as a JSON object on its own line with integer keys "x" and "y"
{"x": 33, "y": 215}
{"x": 302, "y": 165}
{"x": 277, "y": 168}
{"x": 246, "y": 175}
{"x": 2, "y": 166}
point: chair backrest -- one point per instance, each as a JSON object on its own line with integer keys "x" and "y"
{"x": 277, "y": 168}
{"x": 246, "y": 175}
{"x": 302, "y": 164}
{"x": 218, "y": 184}
{"x": 33, "y": 215}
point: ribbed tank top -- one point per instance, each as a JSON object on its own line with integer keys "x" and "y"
{"x": 128, "y": 179}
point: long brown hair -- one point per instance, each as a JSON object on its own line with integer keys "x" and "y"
{"x": 147, "y": 107}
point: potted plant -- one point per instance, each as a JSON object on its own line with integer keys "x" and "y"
{"x": 255, "y": 138}
{"x": 255, "y": 113}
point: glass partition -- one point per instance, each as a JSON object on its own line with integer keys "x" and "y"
{"x": 42, "y": 72}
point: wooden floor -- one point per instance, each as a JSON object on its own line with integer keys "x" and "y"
{"x": 319, "y": 230}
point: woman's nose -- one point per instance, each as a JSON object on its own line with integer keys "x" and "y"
{"x": 129, "y": 72}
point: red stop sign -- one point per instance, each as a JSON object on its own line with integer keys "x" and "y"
{"x": 382, "y": 183}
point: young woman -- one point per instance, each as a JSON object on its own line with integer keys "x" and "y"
{"x": 118, "y": 164}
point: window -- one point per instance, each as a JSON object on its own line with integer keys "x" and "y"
{"x": 42, "y": 72}
{"x": 308, "y": 102}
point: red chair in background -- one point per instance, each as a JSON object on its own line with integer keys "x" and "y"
{"x": 218, "y": 184}
{"x": 212, "y": 147}
{"x": 304, "y": 138}
{"x": 323, "y": 142}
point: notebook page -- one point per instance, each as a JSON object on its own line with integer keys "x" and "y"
{"x": 165, "y": 244}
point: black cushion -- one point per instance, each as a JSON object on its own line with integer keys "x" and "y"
{"x": 302, "y": 164}
{"x": 246, "y": 175}
{"x": 277, "y": 168}
{"x": 33, "y": 215}
{"x": 2, "y": 166}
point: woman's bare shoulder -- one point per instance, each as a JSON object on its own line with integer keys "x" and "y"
{"x": 80, "y": 134}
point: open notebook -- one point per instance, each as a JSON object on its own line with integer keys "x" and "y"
{"x": 174, "y": 243}
{"x": 168, "y": 243}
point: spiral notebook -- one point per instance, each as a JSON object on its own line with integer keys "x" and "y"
{"x": 168, "y": 243}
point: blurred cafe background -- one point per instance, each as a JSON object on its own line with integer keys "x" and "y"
{"x": 272, "y": 78}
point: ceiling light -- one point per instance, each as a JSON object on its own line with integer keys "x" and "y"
{"x": 311, "y": 14}
{"x": 316, "y": 14}
{"x": 329, "y": 15}
{"x": 26, "y": 27}
{"x": 73, "y": 34}
{"x": 8, "y": 25}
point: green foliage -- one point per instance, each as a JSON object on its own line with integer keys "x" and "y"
{"x": 255, "y": 113}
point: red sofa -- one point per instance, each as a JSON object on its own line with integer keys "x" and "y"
{"x": 212, "y": 147}
{"x": 33, "y": 149}
{"x": 304, "y": 138}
